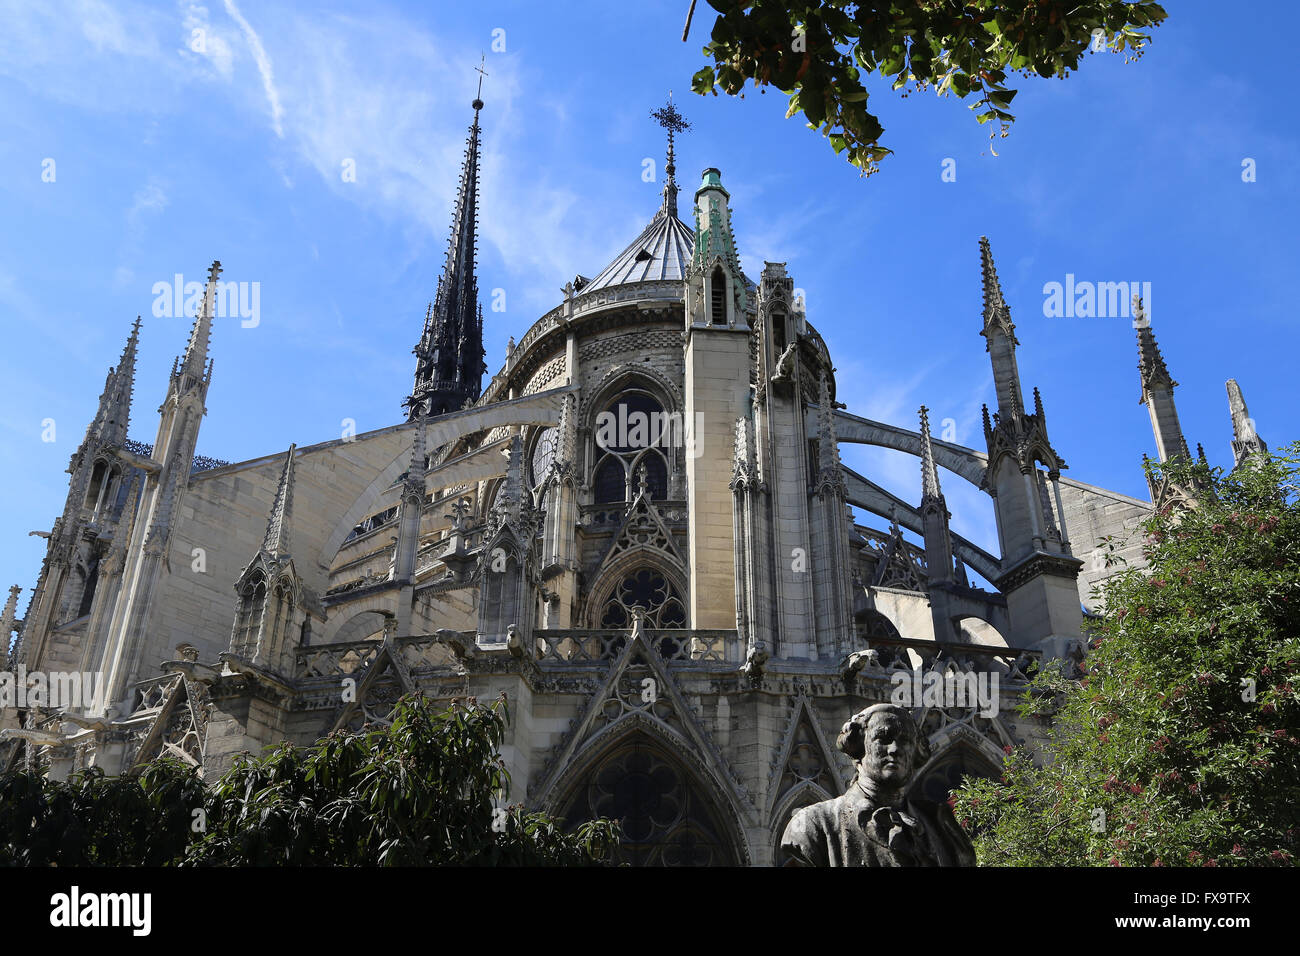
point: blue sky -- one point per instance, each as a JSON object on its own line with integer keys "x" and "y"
{"x": 166, "y": 158}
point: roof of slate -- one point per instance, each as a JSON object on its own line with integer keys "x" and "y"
{"x": 662, "y": 251}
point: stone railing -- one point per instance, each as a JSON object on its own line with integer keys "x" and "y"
{"x": 1012, "y": 664}
{"x": 333, "y": 660}
{"x": 672, "y": 644}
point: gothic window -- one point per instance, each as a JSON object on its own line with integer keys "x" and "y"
{"x": 544, "y": 453}
{"x": 611, "y": 481}
{"x": 718, "y": 296}
{"x": 665, "y": 816}
{"x": 656, "y": 474}
{"x": 630, "y": 432}
{"x": 501, "y": 593}
{"x": 946, "y": 774}
{"x": 252, "y": 601}
{"x": 88, "y": 594}
{"x": 778, "y": 331}
{"x": 650, "y": 588}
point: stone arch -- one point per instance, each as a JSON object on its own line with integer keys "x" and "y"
{"x": 952, "y": 757}
{"x": 653, "y": 383}
{"x": 611, "y": 574}
{"x": 978, "y": 630}
{"x": 364, "y": 504}
{"x": 619, "y": 379}
{"x": 674, "y": 808}
{"x": 796, "y": 798}
{"x": 344, "y": 623}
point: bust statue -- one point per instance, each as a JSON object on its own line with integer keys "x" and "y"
{"x": 872, "y": 823}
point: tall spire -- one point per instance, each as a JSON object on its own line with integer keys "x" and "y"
{"x": 449, "y": 358}
{"x": 673, "y": 121}
{"x": 115, "y": 404}
{"x": 1245, "y": 440}
{"x": 277, "y": 526}
{"x": 1000, "y": 336}
{"x": 194, "y": 363}
{"x": 1157, "y": 389}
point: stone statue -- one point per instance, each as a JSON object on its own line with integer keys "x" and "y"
{"x": 872, "y": 823}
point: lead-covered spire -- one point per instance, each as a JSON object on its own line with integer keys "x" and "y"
{"x": 449, "y": 358}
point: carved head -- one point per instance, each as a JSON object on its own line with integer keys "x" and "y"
{"x": 884, "y": 742}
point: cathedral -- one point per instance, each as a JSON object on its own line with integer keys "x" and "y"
{"x": 639, "y": 531}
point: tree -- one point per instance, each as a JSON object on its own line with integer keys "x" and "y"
{"x": 418, "y": 792}
{"x": 821, "y": 51}
{"x": 1180, "y": 744}
{"x": 94, "y": 820}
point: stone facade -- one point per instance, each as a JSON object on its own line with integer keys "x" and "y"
{"x": 640, "y": 533}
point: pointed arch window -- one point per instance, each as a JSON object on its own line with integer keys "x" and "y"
{"x": 632, "y": 431}
{"x": 651, "y": 589}
{"x": 778, "y": 332}
{"x": 718, "y": 296}
{"x": 665, "y": 816}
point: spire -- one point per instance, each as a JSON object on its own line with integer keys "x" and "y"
{"x": 1157, "y": 389}
{"x": 1000, "y": 337}
{"x": 929, "y": 473}
{"x": 674, "y": 122}
{"x": 277, "y": 526}
{"x": 449, "y": 357}
{"x": 113, "y": 417}
{"x": 7, "y": 625}
{"x": 195, "y": 361}
{"x": 1245, "y": 440}
{"x": 1151, "y": 364}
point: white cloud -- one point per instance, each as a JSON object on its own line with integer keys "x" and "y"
{"x": 263, "y": 67}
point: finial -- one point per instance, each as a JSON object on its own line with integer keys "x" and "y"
{"x": 478, "y": 98}
{"x": 671, "y": 119}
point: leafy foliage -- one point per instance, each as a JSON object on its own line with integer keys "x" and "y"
{"x": 94, "y": 820}
{"x": 1181, "y": 743}
{"x": 419, "y": 792}
{"x": 821, "y": 51}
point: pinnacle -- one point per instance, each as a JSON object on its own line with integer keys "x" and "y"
{"x": 277, "y": 526}
{"x": 196, "y": 352}
{"x": 929, "y": 473}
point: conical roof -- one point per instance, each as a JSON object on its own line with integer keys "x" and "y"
{"x": 662, "y": 251}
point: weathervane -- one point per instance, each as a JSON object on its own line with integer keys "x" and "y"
{"x": 674, "y": 122}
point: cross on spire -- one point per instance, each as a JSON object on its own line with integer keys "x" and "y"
{"x": 478, "y": 98}
{"x": 671, "y": 119}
